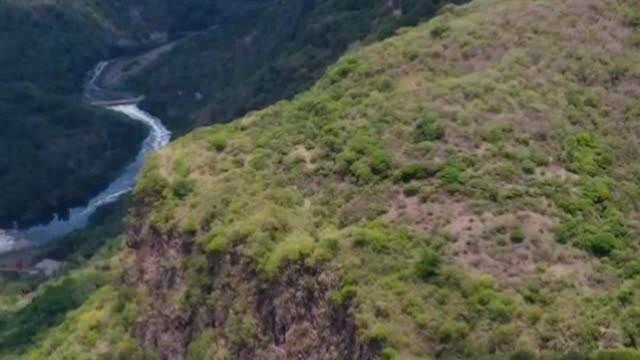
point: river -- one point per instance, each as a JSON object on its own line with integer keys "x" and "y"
{"x": 78, "y": 218}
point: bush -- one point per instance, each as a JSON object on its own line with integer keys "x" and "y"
{"x": 218, "y": 142}
{"x": 495, "y": 133}
{"x": 362, "y": 172}
{"x": 631, "y": 16}
{"x": 452, "y": 331}
{"x": 415, "y": 171}
{"x": 587, "y": 154}
{"x": 380, "y": 162}
{"x": 618, "y": 354}
{"x": 428, "y": 128}
{"x": 601, "y": 244}
{"x": 429, "y": 265}
{"x": 346, "y": 66}
{"x": 411, "y": 189}
{"x": 539, "y": 158}
{"x": 389, "y": 353}
{"x": 597, "y": 190}
{"x": 181, "y": 188}
{"x": 618, "y": 69}
{"x": 522, "y": 355}
{"x": 451, "y": 173}
{"x": 528, "y": 167}
{"x": 517, "y": 235}
{"x": 440, "y": 30}
{"x": 425, "y": 193}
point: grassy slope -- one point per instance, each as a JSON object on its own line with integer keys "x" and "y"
{"x": 471, "y": 181}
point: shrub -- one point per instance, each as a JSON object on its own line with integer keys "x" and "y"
{"x": 415, "y": 171}
{"x": 151, "y": 185}
{"x": 344, "y": 160}
{"x": 501, "y": 309}
{"x": 452, "y": 331}
{"x": 344, "y": 67}
{"x": 528, "y": 167}
{"x": 451, "y": 173}
{"x": 617, "y": 354}
{"x": 517, "y": 234}
{"x": 366, "y": 237}
{"x": 389, "y": 353}
{"x": 522, "y": 355}
{"x": 218, "y": 142}
{"x": 600, "y": 244}
{"x": 587, "y": 154}
{"x": 182, "y": 187}
{"x": 505, "y": 170}
{"x": 501, "y": 242}
{"x": 440, "y": 30}
{"x": 429, "y": 265}
{"x": 380, "y": 162}
{"x": 504, "y": 336}
{"x": 631, "y": 16}
{"x": 362, "y": 172}
{"x": 426, "y": 192}
{"x": 597, "y": 190}
{"x": 618, "y": 69}
{"x": 539, "y": 158}
{"x": 428, "y": 128}
{"x": 411, "y": 189}
{"x": 495, "y": 133}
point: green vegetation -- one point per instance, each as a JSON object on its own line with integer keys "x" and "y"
{"x": 411, "y": 162}
{"x": 465, "y": 189}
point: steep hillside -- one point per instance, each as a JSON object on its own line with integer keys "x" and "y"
{"x": 464, "y": 188}
{"x": 56, "y": 152}
{"x": 292, "y": 43}
{"x": 259, "y": 52}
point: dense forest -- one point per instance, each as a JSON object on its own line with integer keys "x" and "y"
{"x": 56, "y": 152}
{"x": 59, "y": 152}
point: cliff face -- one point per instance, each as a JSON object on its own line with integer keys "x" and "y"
{"x": 219, "y": 307}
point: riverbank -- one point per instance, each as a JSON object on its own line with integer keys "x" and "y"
{"x": 158, "y": 136}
